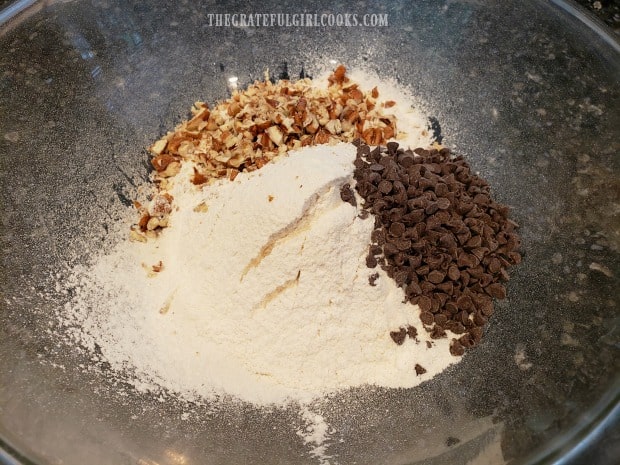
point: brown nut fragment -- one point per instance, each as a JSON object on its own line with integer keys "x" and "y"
{"x": 158, "y": 147}
{"x": 233, "y": 109}
{"x": 143, "y": 222}
{"x": 321, "y": 137}
{"x": 198, "y": 178}
{"x": 339, "y": 75}
{"x": 161, "y": 162}
{"x": 276, "y": 135}
{"x": 135, "y": 236}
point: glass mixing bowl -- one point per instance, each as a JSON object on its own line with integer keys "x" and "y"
{"x": 527, "y": 91}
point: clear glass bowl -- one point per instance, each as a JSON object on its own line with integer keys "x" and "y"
{"x": 527, "y": 90}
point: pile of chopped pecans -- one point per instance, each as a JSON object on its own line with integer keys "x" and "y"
{"x": 256, "y": 125}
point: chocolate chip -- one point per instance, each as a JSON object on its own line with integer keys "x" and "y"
{"x": 479, "y": 253}
{"x": 425, "y": 304}
{"x": 456, "y": 348}
{"x": 374, "y": 178}
{"x": 395, "y": 214}
{"x": 476, "y": 334}
{"x": 431, "y": 208}
{"x": 447, "y": 287}
{"x": 485, "y": 279}
{"x": 392, "y": 147}
{"x": 347, "y": 194}
{"x": 479, "y": 319}
{"x": 401, "y": 277}
{"x": 437, "y": 332}
{"x": 427, "y": 288}
{"x": 412, "y": 332}
{"x": 441, "y": 319}
{"x": 496, "y": 290}
{"x": 457, "y": 328}
{"x": 452, "y": 308}
{"x": 399, "y": 336}
{"x": 414, "y": 216}
{"x": 466, "y": 340}
{"x": 397, "y": 229}
{"x": 462, "y": 317}
{"x": 515, "y": 257}
{"x": 385, "y": 187}
{"x": 476, "y": 272}
{"x": 363, "y": 150}
{"x": 406, "y": 160}
{"x": 371, "y": 261}
{"x": 494, "y": 265}
{"x": 453, "y": 273}
{"x": 424, "y": 183}
{"x": 427, "y": 318}
{"x": 487, "y": 308}
{"x": 413, "y": 289}
{"x": 474, "y": 242}
{"x": 464, "y": 302}
{"x": 465, "y": 260}
{"x": 359, "y": 163}
{"x": 415, "y": 261}
{"x": 419, "y": 369}
{"x": 436, "y": 276}
{"x": 372, "y": 279}
{"x": 402, "y": 244}
{"x": 464, "y": 278}
{"x": 375, "y": 249}
{"x": 422, "y": 270}
{"x": 378, "y": 236}
{"x": 389, "y": 249}
{"x": 442, "y": 203}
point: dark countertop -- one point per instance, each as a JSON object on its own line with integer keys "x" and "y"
{"x": 607, "y": 11}
{"x": 606, "y": 450}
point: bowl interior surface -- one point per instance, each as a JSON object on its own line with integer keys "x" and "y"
{"x": 528, "y": 94}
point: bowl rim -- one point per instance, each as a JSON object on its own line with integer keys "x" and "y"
{"x": 563, "y": 449}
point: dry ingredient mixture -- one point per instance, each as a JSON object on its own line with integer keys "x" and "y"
{"x": 287, "y": 226}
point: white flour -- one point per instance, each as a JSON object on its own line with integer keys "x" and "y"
{"x": 264, "y": 297}
{"x": 315, "y": 434}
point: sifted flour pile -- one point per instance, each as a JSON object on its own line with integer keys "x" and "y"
{"x": 262, "y": 294}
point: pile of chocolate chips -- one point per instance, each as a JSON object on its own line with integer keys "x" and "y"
{"x": 438, "y": 234}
